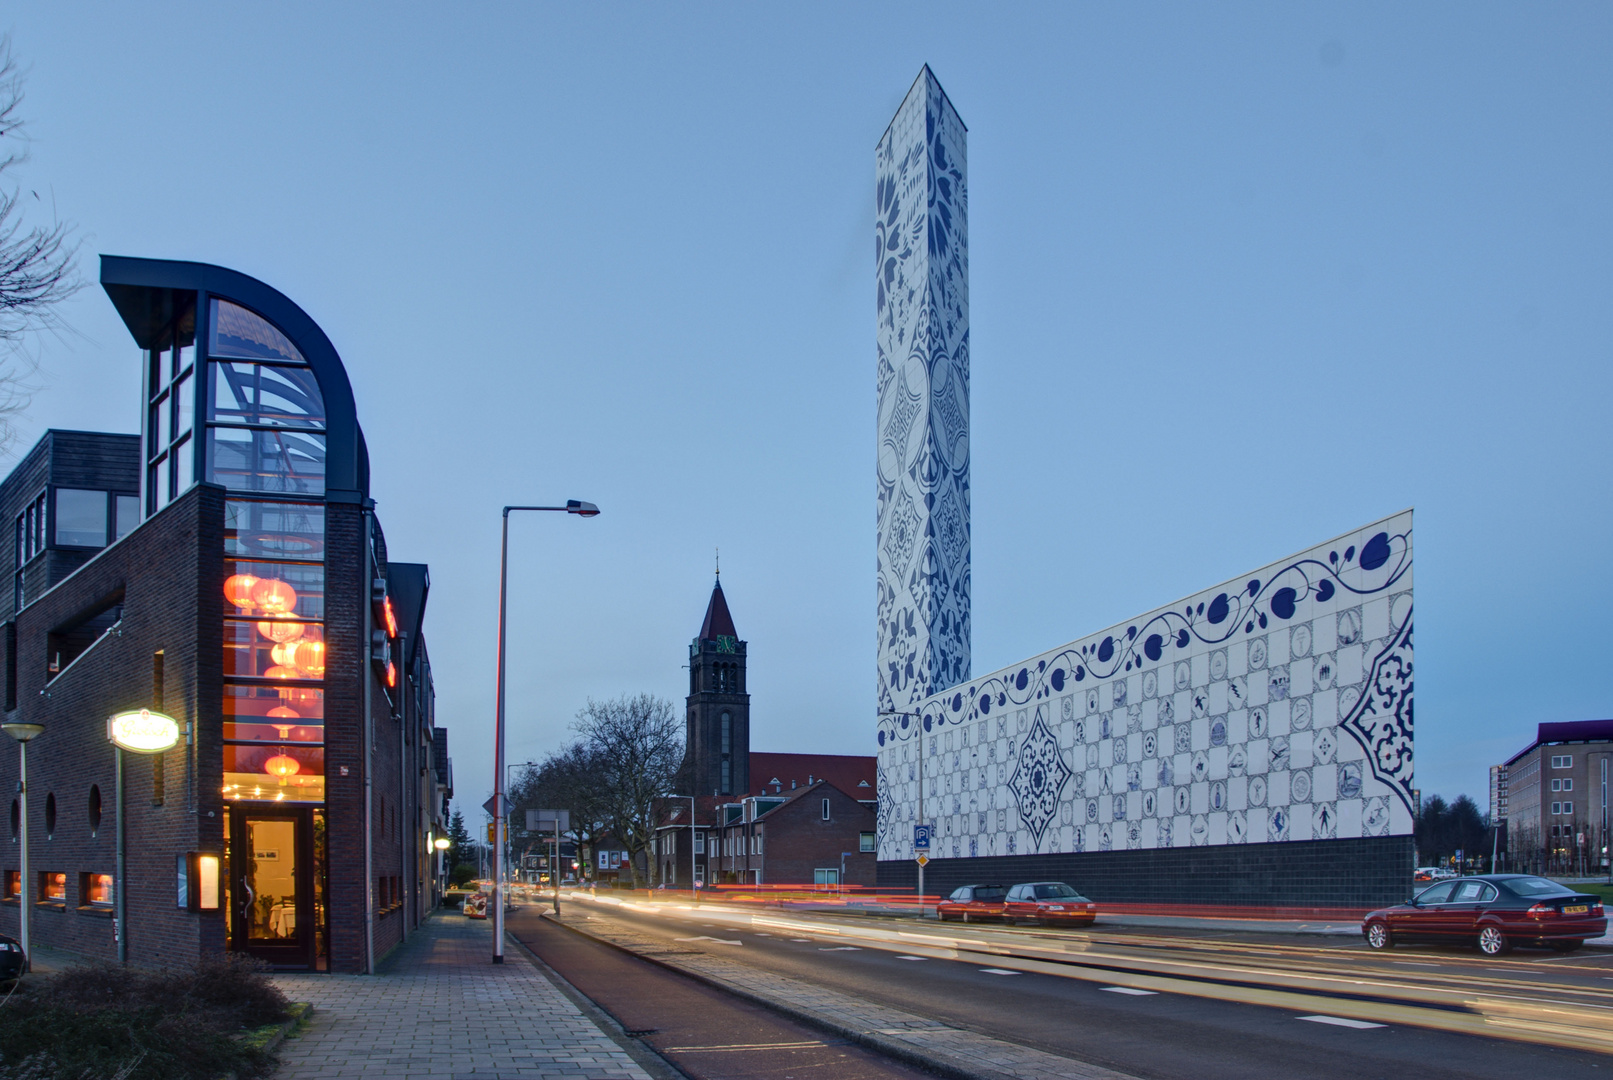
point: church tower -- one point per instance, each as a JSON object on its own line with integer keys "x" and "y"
{"x": 717, "y": 761}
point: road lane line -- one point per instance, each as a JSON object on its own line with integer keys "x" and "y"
{"x": 912, "y": 958}
{"x": 1132, "y": 990}
{"x": 802, "y": 940}
{"x": 744, "y": 1046}
{"x": 1000, "y": 971}
{"x": 707, "y": 937}
{"x": 1340, "y": 1021}
{"x": 840, "y": 948}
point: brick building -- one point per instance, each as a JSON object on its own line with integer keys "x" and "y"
{"x": 1553, "y": 795}
{"x": 225, "y": 568}
{"x": 758, "y": 824}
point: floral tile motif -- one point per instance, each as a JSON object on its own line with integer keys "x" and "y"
{"x": 1040, "y": 777}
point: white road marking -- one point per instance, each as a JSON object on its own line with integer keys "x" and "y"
{"x": 1128, "y": 990}
{"x": 761, "y": 933}
{"x": 1000, "y": 971}
{"x": 707, "y": 937}
{"x": 744, "y": 1046}
{"x": 1340, "y": 1021}
{"x": 803, "y": 940}
{"x": 840, "y": 948}
{"x": 912, "y": 958}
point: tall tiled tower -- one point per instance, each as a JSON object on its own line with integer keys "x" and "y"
{"x": 922, "y": 270}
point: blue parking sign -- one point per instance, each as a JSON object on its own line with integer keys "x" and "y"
{"x": 921, "y": 838}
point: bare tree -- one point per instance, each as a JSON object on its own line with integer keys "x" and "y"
{"x": 565, "y": 780}
{"x": 636, "y": 746}
{"x": 36, "y": 261}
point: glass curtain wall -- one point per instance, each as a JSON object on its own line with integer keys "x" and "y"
{"x": 266, "y": 444}
{"x": 170, "y": 413}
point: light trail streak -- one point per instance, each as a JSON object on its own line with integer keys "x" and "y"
{"x": 1257, "y": 974}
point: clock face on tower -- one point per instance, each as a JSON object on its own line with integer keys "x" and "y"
{"x": 726, "y": 644}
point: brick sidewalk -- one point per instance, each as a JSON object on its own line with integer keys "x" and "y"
{"x": 439, "y": 1010}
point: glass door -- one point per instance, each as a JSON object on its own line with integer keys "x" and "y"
{"x": 272, "y": 878}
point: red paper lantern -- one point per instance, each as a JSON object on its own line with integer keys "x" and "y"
{"x": 281, "y": 765}
{"x": 274, "y": 596}
{"x": 238, "y": 588}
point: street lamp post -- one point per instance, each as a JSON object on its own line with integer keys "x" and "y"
{"x": 23, "y": 733}
{"x": 500, "y": 811}
{"x": 441, "y": 844}
{"x": 694, "y": 889}
{"x": 507, "y": 786}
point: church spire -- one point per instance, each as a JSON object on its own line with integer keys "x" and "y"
{"x": 718, "y": 622}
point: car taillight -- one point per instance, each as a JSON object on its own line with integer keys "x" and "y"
{"x": 1540, "y": 910}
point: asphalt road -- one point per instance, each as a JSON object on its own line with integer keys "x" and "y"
{"x": 1091, "y": 1009}
{"x": 703, "y": 1032}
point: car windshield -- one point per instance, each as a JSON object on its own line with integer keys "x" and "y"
{"x": 1534, "y": 886}
{"x": 990, "y": 892}
{"x": 1056, "y": 891}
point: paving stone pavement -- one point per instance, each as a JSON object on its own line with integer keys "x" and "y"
{"x": 439, "y": 1010}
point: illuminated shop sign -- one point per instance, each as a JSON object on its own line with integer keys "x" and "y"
{"x": 143, "y": 732}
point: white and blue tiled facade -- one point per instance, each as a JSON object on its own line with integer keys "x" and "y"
{"x": 922, "y": 207}
{"x": 1276, "y": 707}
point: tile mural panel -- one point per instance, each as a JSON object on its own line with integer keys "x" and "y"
{"x": 922, "y": 298}
{"x": 1274, "y": 707}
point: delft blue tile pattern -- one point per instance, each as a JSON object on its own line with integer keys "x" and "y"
{"x": 922, "y": 295}
{"x": 1274, "y": 707}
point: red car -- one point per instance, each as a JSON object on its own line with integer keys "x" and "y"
{"x": 1051, "y": 903}
{"x": 1497, "y": 911}
{"x": 973, "y": 903}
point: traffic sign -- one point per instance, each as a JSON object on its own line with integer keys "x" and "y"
{"x": 923, "y": 859}
{"x": 921, "y": 837}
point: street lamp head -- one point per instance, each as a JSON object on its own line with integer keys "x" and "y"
{"x": 22, "y": 731}
{"x": 581, "y": 509}
{"x": 441, "y": 843}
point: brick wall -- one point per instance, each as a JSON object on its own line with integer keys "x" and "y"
{"x": 172, "y": 580}
{"x": 796, "y": 840}
{"x": 1365, "y": 872}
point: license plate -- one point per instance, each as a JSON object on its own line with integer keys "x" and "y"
{"x": 1576, "y": 909}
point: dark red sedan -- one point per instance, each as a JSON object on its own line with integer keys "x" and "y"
{"x": 1051, "y": 903}
{"x": 973, "y": 903}
{"x": 1497, "y": 911}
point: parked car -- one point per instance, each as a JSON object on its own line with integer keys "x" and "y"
{"x": 1497, "y": 911}
{"x": 1052, "y": 903}
{"x": 973, "y": 903}
{"x": 10, "y": 958}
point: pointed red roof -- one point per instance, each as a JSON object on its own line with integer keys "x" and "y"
{"x": 718, "y": 622}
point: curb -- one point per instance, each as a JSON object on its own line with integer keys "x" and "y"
{"x": 890, "y": 1048}
{"x": 301, "y": 1012}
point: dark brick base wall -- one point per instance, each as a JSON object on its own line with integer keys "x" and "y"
{"x": 1366, "y": 872}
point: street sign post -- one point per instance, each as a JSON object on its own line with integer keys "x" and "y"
{"x": 557, "y": 822}
{"x": 921, "y": 845}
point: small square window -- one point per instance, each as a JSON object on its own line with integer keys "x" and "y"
{"x": 865, "y": 841}
{"x": 1568, "y": 784}
{"x": 1556, "y": 785}
{"x": 95, "y": 890}
{"x": 53, "y": 886}
{"x": 13, "y": 883}
{"x": 1568, "y": 808}
{"x": 1556, "y": 807}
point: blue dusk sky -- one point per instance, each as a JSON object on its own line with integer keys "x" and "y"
{"x": 1244, "y": 277}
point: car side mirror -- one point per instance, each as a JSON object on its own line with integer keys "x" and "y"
{"x": 1413, "y": 902}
